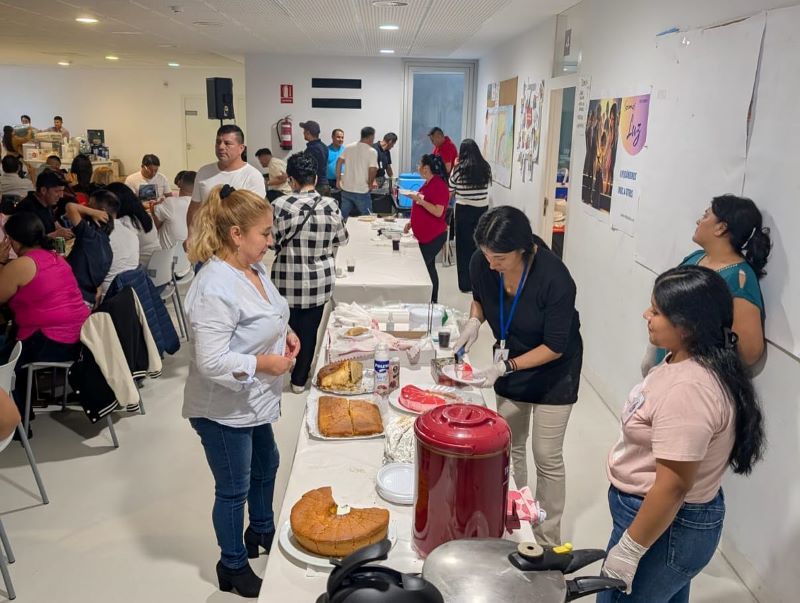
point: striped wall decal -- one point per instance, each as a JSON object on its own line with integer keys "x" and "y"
{"x": 336, "y": 103}
{"x": 333, "y": 82}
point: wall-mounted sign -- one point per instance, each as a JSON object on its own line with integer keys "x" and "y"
{"x": 287, "y": 94}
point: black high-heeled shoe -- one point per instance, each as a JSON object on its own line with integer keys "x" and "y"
{"x": 252, "y": 540}
{"x": 243, "y": 581}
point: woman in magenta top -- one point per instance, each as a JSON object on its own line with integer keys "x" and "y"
{"x": 43, "y": 294}
{"x": 428, "y": 214}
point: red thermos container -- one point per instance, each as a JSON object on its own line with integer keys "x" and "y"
{"x": 462, "y": 475}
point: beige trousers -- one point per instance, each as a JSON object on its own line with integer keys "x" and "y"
{"x": 549, "y": 428}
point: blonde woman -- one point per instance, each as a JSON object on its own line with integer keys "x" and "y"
{"x": 102, "y": 176}
{"x": 242, "y": 348}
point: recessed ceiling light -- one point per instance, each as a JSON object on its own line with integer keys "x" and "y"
{"x": 388, "y": 3}
{"x": 86, "y": 20}
{"x": 387, "y": 51}
{"x": 64, "y": 63}
{"x": 111, "y": 57}
{"x": 173, "y": 64}
{"x": 389, "y": 27}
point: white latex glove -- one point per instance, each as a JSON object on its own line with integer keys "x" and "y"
{"x": 469, "y": 335}
{"x": 623, "y": 559}
{"x": 492, "y": 374}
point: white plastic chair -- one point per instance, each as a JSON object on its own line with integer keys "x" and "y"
{"x": 160, "y": 270}
{"x": 6, "y": 383}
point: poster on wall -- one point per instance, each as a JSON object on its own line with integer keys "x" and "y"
{"x": 602, "y": 135}
{"x": 582, "y": 104}
{"x": 530, "y": 126}
{"x": 628, "y": 169}
{"x": 498, "y": 133}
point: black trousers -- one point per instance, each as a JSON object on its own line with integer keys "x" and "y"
{"x": 429, "y": 253}
{"x": 305, "y": 323}
{"x": 466, "y": 220}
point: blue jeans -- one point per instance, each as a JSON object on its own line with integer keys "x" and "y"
{"x": 244, "y": 461}
{"x": 361, "y": 202}
{"x": 683, "y": 550}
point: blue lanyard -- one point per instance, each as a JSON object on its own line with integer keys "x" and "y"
{"x": 506, "y": 325}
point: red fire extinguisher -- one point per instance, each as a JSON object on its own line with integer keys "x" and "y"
{"x": 284, "y": 130}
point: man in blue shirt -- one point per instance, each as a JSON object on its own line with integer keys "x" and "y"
{"x": 334, "y": 150}
{"x": 319, "y": 151}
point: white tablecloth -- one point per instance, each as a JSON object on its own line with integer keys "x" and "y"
{"x": 349, "y": 467}
{"x": 381, "y": 276}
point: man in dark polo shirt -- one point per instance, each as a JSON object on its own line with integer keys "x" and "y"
{"x": 319, "y": 151}
{"x": 444, "y": 147}
{"x": 43, "y": 201}
{"x": 384, "y": 149}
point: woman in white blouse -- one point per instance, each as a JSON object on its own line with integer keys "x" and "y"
{"x": 242, "y": 348}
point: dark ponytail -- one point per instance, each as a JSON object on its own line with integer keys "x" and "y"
{"x": 745, "y": 229}
{"x": 28, "y": 230}
{"x": 129, "y": 205}
{"x": 698, "y": 301}
{"x": 435, "y": 163}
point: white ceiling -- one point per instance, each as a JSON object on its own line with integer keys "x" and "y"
{"x": 212, "y": 33}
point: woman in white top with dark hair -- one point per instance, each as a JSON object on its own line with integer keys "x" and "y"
{"x": 469, "y": 181}
{"x": 241, "y": 350}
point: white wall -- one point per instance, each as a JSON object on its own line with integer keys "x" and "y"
{"x": 141, "y": 110}
{"x": 529, "y": 55}
{"x": 381, "y": 98}
{"x": 615, "y": 39}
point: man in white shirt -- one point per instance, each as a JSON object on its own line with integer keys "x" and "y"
{"x": 277, "y": 180}
{"x": 170, "y": 216}
{"x": 148, "y": 184}
{"x": 10, "y": 181}
{"x": 361, "y": 161}
{"x": 230, "y": 168}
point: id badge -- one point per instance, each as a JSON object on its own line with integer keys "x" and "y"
{"x": 500, "y": 354}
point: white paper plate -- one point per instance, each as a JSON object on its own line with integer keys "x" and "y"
{"x": 291, "y": 547}
{"x": 367, "y": 386}
{"x": 450, "y": 371}
{"x": 395, "y": 483}
{"x": 408, "y": 192}
{"x": 343, "y": 334}
{"x": 312, "y": 411}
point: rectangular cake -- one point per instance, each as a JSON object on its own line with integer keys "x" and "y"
{"x": 342, "y": 418}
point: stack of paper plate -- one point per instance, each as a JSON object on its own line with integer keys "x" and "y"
{"x": 395, "y": 483}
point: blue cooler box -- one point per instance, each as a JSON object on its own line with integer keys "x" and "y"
{"x": 410, "y": 181}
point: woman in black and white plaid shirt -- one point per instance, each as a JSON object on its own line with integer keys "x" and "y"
{"x": 307, "y": 228}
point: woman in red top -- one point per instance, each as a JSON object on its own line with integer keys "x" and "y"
{"x": 428, "y": 214}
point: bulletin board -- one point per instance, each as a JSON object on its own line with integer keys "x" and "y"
{"x": 702, "y": 88}
{"x": 771, "y": 175}
{"x": 498, "y": 136}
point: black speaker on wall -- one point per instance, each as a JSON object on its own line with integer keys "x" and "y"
{"x": 219, "y": 94}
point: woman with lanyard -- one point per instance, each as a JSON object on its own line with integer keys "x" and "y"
{"x": 695, "y": 415}
{"x": 735, "y": 243}
{"x": 527, "y": 296}
{"x": 308, "y": 229}
{"x": 241, "y": 350}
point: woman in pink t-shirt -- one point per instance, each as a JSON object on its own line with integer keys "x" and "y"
{"x": 428, "y": 215}
{"x": 43, "y": 294}
{"x": 693, "y": 416}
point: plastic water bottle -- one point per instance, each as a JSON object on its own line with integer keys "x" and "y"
{"x": 381, "y": 369}
{"x": 390, "y": 322}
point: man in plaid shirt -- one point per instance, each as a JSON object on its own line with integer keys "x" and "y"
{"x": 307, "y": 228}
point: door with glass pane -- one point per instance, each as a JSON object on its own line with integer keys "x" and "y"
{"x": 439, "y": 94}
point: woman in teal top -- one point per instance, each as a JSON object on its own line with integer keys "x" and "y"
{"x": 736, "y": 244}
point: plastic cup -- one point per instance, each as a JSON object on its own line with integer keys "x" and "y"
{"x": 444, "y": 338}
{"x": 351, "y": 264}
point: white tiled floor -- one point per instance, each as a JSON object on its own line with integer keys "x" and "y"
{"x": 134, "y": 524}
